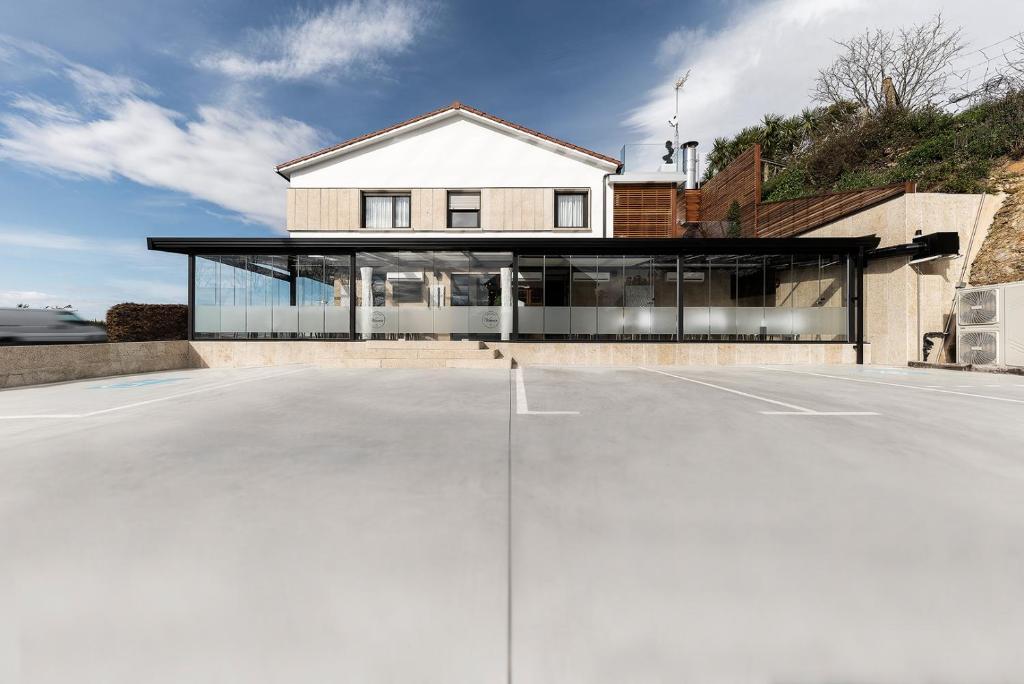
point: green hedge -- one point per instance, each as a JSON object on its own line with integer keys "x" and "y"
{"x": 147, "y": 322}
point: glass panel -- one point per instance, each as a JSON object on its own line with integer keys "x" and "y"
{"x": 832, "y": 299}
{"x": 310, "y": 295}
{"x": 583, "y": 316}
{"x": 402, "y": 205}
{"x": 557, "y": 292}
{"x": 337, "y": 288}
{"x": 490, "y": 313}
{"x": 270, "y": 296}
{"x": 232, "y": 296}
{"x": 465, "y": 219}
{"x": 779, "y": 292}
{"x": 696, "y": 298}
{"x": 609, "y": 286}
{"x": 664, "y": 289}
{"x": 748, "y": 289}
{"x": 408, "y": 289}
{"x": 206, "y": 287}
{"x": 721, "y": 303}
{"x": 570, "y": 210}
{"x": 377, "y": 212}
{"x": 638, "y": 295}
{"x": 376, "y": 314}
{"x": 449, "y": 294}
{"x": 531, "y": 296}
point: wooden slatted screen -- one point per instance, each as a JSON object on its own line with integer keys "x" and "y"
{"x": 644, "y": 210}
{"x": 740, "y": 181}
{"x": 793, "y": 217}
{"x": 690, "y": 208}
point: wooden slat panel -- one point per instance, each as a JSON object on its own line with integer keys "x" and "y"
{"x": 646, "y": 210}
{"x": 792, "y": 217}
{"x": 289, "y": 220}
{"x": 740, "y": 181}
{"x": 690, "y": 205}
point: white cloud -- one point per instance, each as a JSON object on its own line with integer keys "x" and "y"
{"x": 42, "y": 108}
{"x": 222, "y": 154}
{"x": 332, "y": 40}
{"x": 10, "y": 298}
{"x": 36, "y": 239}
{"x": 766, "y": 56}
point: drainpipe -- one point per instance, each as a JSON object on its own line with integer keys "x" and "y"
{"x": 604, "y": 203}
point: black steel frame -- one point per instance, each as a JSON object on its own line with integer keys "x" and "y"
{"x": 856, "y": 249}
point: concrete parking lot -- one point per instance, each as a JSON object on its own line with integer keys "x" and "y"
{"x": 782, "y": 524}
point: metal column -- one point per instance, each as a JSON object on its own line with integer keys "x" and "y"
{"x": 191, "y": 296}
{"x": 861, "y": 260}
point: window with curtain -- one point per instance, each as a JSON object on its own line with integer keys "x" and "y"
{"x": 386, "y": 211}
{"x": 570, "y": 209}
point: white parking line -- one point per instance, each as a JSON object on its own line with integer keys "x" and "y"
{"x": 923, "y": 388}
{"x": 523, "y": 408}
{"x": 797, "y": 410}
{"x": 148, "y": 401}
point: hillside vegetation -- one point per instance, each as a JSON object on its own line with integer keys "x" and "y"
{"x": 844, "y": 147}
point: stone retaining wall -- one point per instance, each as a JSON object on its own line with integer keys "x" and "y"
{"x": 36, "y": 365}
{"x": 40, "y": 364}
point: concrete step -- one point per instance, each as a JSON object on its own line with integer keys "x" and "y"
{"x": 446, "y": 363}
{"x": 479, "y": 363}
{"x": 423, "y": 344}
{"x": 419, "y": 353}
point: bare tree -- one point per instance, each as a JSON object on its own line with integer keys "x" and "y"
{"x": 1001, "y": 73}
{"x": 906, "y": 67}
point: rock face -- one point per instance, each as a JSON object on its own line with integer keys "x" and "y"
{"x": 1001, "y": 258}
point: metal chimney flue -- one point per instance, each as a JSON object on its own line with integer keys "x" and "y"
{"x": 690, "y": 163}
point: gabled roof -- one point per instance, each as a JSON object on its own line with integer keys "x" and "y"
{"x": 287, "y": 167}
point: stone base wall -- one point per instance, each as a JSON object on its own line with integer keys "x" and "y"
{"x": 40, "y": 364}
{"x": 235, "y": 354}
{"x": 37, "y": 365}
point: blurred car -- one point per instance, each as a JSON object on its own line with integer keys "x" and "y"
{"x": 31, "y": 326}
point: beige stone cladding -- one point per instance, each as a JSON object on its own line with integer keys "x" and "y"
{"x": 501, "y": 209}
{"x": 903, "y": 301}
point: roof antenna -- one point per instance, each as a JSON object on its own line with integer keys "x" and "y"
{"x": 674, "y": 121}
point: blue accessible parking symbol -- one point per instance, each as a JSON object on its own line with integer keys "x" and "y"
{"x": 131, "y": 384}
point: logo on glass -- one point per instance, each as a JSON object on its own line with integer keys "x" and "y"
{"x": 378, "y": 319}
{"x": 491, "y": 319}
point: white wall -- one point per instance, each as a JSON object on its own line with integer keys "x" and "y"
{"x": 458, "y": 152}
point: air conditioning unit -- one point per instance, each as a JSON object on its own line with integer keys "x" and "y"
{"x": 990, "y": 325}
{"x": 978, "y": 306}
{"x": 978, "y": 346}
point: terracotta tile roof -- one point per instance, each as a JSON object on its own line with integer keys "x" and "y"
{"x": 452, "y": 106}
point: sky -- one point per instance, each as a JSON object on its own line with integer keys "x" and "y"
{"x": 121, "y": 119}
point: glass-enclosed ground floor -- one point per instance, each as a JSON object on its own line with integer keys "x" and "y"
{"x": 769, "y": 290}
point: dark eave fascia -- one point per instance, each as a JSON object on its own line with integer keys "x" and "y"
{"x": 545, "y": 245}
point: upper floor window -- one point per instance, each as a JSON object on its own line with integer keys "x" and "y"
{"x": 570, "y": 209}
{"x": 386, "y": 210}
{"x": 463, "y": 209}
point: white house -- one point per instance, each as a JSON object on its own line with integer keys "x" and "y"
{"x": 458, "y": 170}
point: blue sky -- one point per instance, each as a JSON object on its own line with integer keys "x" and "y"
{"x": 121, "y": 119}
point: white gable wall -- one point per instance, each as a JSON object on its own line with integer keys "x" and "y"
{"x": 459, "y": 153}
